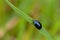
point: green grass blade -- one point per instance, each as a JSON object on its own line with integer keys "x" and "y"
{"x": 46, "y": 34}
{"x": 29, "y": 19}
{"x": 21, "y": 29}
{"x": 42, "y": 31}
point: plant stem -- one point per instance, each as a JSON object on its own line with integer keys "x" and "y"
{"x": 45, "y": 33}
{"x": 21, "y": 29}
{"x": 29, "y": 19}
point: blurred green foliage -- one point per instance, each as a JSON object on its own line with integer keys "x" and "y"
{"x": 16, "y": 27}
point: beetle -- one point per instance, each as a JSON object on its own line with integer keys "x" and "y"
{"x": 37, "y": 24}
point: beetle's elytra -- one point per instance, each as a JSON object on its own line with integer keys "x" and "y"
{"x": 37, "y": 24}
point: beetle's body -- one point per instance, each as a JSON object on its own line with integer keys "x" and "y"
{"x": 37, "y": 24}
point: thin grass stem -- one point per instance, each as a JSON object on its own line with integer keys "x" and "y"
{"x": 29, "y": 19}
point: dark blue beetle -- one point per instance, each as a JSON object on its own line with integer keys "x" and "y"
{"x": 37, "y": 24}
